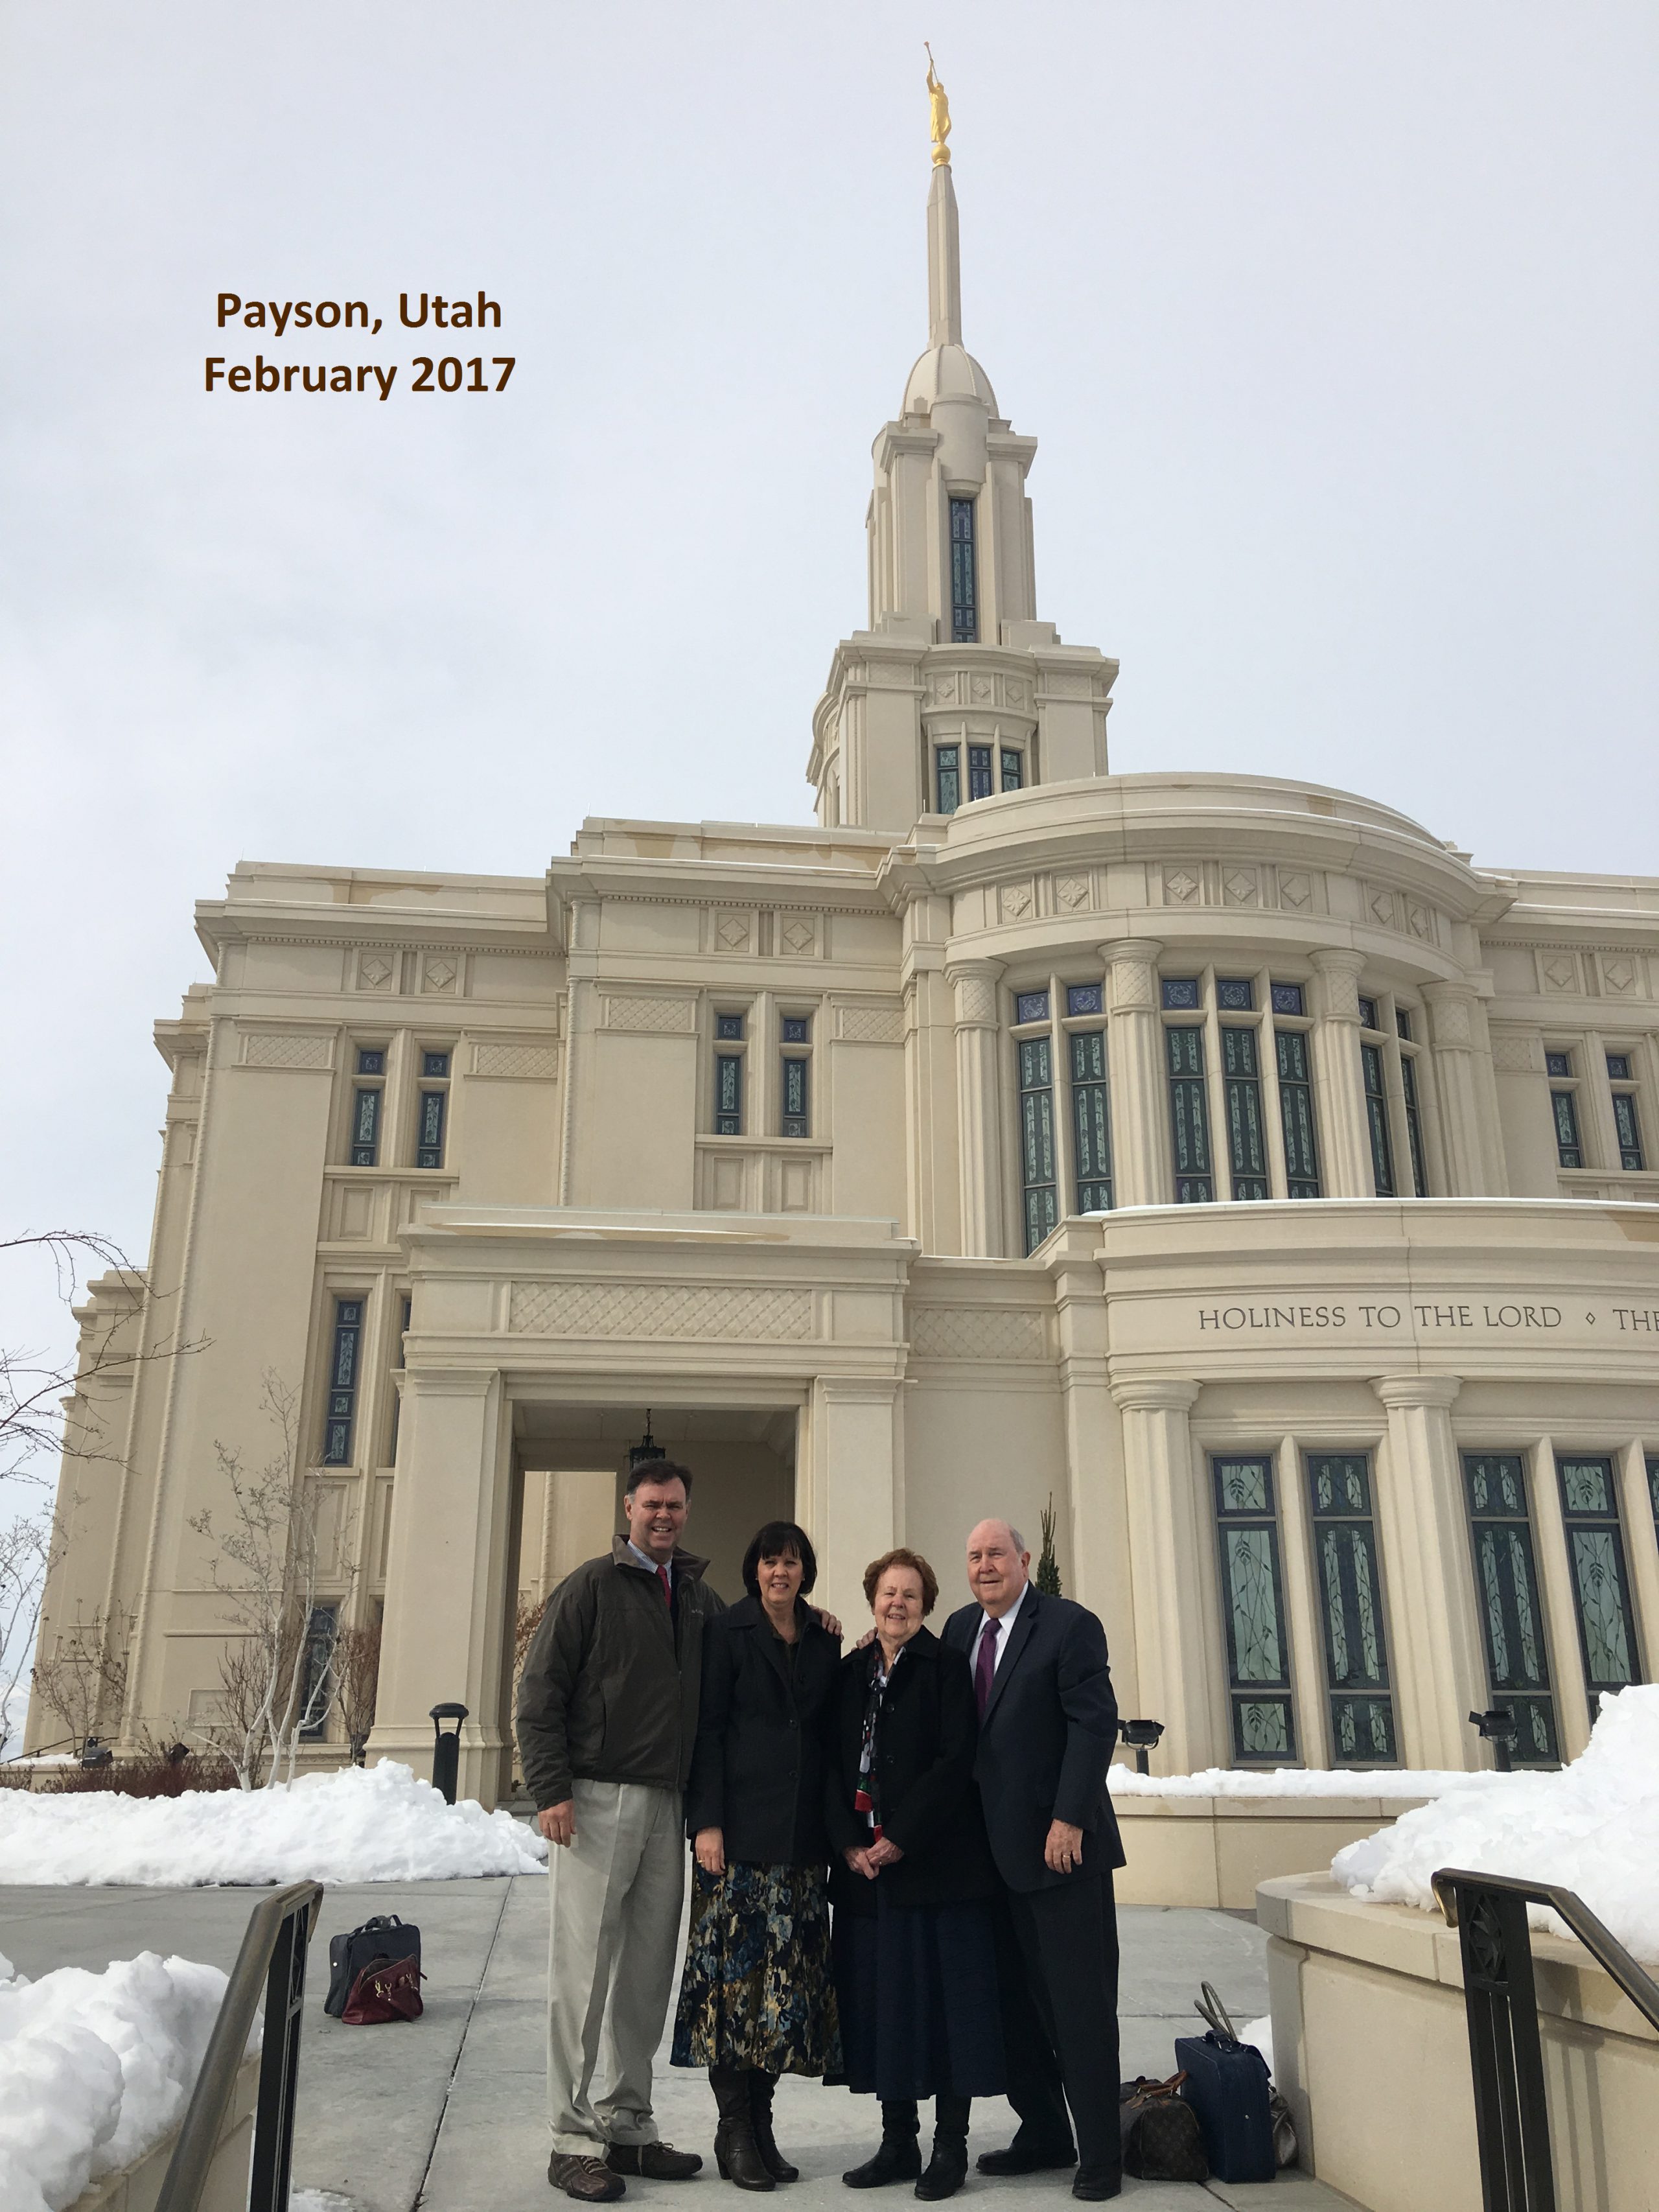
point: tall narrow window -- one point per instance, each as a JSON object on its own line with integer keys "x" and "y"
{"x": 1092, "y": 1121}
{"x": 979, "y": 772}
{"x": 1653, "y": 1491}
{"x": 1295, "y": 1114}
{"x": 1351, "y": 1609}
{"x": 1252, "y": 1599}
{"x": 433, "y": 1107}
{"x": 321, "y": 1628}
{"x": 1601, "y": 1586}
{"x": 1013, "y": 769}
{"x": 398, "y": 1360}
{"x": 1413, "y": 1124}
{"x": 1246, "y": 1145}
{"x": 1563, "y": 1105}
{"x": 796, "y": 1118}
{"x": 964, "y": 581}
{"x": 1036, "y": 1137}
{"x": 343, "y": 1382}
{"x": 366, "y": 1103}
{"x": 947, "y": 779}
{"x": 1377, "y": 1117}
{"x": 728, "y": 1094}
{"x": 1189, "y": 1117}
{"x": 1506, "y": 1597}
{"x": 1626, "y": 1127}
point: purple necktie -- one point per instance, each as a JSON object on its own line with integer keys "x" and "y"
{"x": 985, "y": 1667}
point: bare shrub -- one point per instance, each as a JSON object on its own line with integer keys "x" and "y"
{"x": 357, "y": 1678}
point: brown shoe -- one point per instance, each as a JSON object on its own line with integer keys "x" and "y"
{"x": 588, "y": 2180}
{"x": 654, "y": 2161}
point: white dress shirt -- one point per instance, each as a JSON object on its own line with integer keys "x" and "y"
{"x": 656, "y": 1565}
{"x": 1000, "y": 1628}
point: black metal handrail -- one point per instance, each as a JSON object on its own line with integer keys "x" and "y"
{"x": 271, "y": 1963}
{"x": 1511, "y": 2119}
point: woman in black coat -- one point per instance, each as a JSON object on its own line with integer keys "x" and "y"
{"x": 915, "y": 1954}
{"x": 757, "y": 1999}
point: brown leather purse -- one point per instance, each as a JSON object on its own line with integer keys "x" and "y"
{"x": 1162, "y": 2138}
{"x": 386, "y": 1989}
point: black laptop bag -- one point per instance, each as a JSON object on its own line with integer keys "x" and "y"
{"x": 385, "y": 1937}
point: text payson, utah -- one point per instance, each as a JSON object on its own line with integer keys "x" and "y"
{"x": 446, "y": 372}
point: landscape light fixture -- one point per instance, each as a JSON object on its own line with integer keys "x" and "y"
{"x": 1498, "y": 1729}
{"x": 1141, "y": 1736}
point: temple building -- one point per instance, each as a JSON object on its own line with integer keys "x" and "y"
{"x": 1226, "y": 1161}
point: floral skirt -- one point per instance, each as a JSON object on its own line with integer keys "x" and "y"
{"x": 757, "y": 1989}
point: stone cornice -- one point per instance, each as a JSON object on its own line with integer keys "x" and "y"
{"x": 1418, "y": 1389}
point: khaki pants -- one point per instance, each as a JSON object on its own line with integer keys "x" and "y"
{"x": 615, "y": 1899}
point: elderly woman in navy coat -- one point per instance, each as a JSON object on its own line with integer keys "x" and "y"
{"x": 914, "y": 1948}
{"x": 757, "y": 1999}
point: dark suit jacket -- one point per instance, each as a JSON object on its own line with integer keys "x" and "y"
{"x": 929, "y": 1806}
{"x": 762, "y": 1730}
{"x": 1047, "y": 1738}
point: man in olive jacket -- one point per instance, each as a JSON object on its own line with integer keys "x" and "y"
{"x": 607, "y": 1722}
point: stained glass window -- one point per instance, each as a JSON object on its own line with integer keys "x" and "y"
{"x": 1189, "y": 1116}
{"x": 1601, "y": 1587}
{"x": 1247, "y": 1143}
{"x": 964, "y": 581}
{"x": 1296, "y": 1113}
{"x": 343, "y": 1382}
{"x": 1568, "y": 1150}
{"x": 1180, "y": 994}
{"x": 1402, "y": 1023}
{"x": 979, "y": 772}
{"x": 1287, "y": 999}
{"x": 1377, "y": 1117}
{"x": 1013, "y": 769}
{"x": 1036, "y": 1137}
{"x": 1557, "y": 1065}
{"x": 795, "y": 1083}
{"x": 1234, "y": 994}
{"x": 1252, "y": 1598}
{"x": 1030, "y": 1006}
{"x": 366, "y": 1127}
{"x": 797, "y": 1028}
{"x": 1083, "y": 999}
{"x": 728, "y": 1094}
{"x": 728, "y": 1025}
{"x": 318, "y": 1684}
{"x": 371, "y": 1059}
{"x": 1618, "y": 1067}
{"x": 1349, "y": 1597}
{"x": 1653, "y": 1492}
{"x": 947, "y": 779}
{"x": 1368, "y": 1014}
{"x": 435, "y": 1063}
{"x": 1507, "y": 1599}
{"x": 1413, "y": 1124}
{"x": 429, "y": 1129}
{"x": 1627, "y": 1129}
{"x": 1091, "y": 1118}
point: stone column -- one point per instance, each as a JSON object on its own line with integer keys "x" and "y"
{"x": 448, "y": 1575}
{"x": 1173, "y": 1636}
{"x": 852, "y": 1504}
{"x": 1434, "y": 1647}
{"x": 1452, "y": 1026}
{"x": 1140, "y": 1164}
{"x": 1345, "y": 1145}
{"x": 979, "y": 1119}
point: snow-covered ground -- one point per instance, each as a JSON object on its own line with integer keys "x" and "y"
{"x": 361, "y": 1824}
{"x": 1592, "y": 1826}
{"x": 1297, "y": 1782}
{"x": 95, "y": 2069}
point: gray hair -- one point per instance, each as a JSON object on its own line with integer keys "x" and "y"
{"x": 1014, "y": 1536}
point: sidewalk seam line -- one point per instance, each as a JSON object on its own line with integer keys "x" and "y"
{"x": 466, "y": 2029}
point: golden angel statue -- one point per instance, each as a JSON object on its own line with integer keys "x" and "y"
{"x": 940, "y": 106}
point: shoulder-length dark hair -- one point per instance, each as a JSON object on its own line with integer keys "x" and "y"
{"x": 780, "y": 1540}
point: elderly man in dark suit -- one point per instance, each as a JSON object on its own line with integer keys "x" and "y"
{"x": 1048, "y": 1725}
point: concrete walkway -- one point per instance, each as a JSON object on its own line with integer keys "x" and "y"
{"x": 447, "y": 2114}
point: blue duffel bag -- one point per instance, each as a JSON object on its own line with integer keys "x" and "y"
{"x": 1228, "y": 2087}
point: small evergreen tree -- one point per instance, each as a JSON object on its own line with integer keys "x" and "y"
{"x": 1048, "y": 1573}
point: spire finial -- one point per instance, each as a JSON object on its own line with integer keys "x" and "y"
{"x": 940, "y": 106}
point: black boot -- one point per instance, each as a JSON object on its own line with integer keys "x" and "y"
{"x": 947, "y": 2169}
{"x": 761, "y": 2085}
{"x": 735, "y": 2153}
{"x": 899, "y": 2158}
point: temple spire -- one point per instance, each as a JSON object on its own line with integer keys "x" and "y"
{"x": 943, "y": 245}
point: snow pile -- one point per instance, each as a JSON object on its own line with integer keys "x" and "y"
{"x": 1592, "y": 1826}
{"x": 360, "y": 1824}
{"x": 1297, "y": 1782}
{"x": 1259, "y": 2033}
{"x": 95, "y": 2069}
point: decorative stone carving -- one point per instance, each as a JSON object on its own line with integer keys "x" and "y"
{"x": 1452, "y": 1018}
{"x": 1014, "y": 902}
{"x": 1560, "y": 971}
{"x": 870, "y": 1025}
{"x": 1071, "y": 892}
{"x": 647, "y": 1310}
{"x": 1339, "y": 973}
{"x": 439, "y": 973}
{"x": 1014, "y": 690}
{"x": 945, "y": 690}
{"x": 1180, "y": 886}
{"x": 375, "y": 970}
{"x": 278, "y": 1049}
{"x": 1421, "y": 922}
{"x": 799, "y": 935}
{"x": 535, "y": 1063}
{"x": 975, "y": 992}
{"x": 1134, "y": 979}
{"x": 658, "y": 1016}
{"x": 734, "y": 932}
{"x": 980, "y": 690}
{"x": 1240, "y": 887}
{"x": 1618, "y": 974}
{"x": 978, "y": 1333}
{"x": 1382, "y": 905}
{"x": 1295, "y": 890}
{"x": 1513, "y": 1054}
{"x": 1065, "y": 685}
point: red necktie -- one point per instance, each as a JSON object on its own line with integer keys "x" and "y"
{"x": 985, "y": 1667}
{"x": 667, "y": 1588}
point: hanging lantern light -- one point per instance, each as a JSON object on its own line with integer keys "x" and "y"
{"x": 646, "y": 1449}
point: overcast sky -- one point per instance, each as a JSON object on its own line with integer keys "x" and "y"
{"x": 1338, "y": 322}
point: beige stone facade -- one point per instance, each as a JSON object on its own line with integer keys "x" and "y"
{"x": 752, "y": 1126}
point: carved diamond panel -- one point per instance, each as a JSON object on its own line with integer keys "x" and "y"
{"x": 1559, "y": 971}
{"x": 269, "y": 1049}
{"x": 799, "y": 936}
{"x": 1618, "y": 974}
{"x": 769, "y": 1316}
{"x": 1240, "y": 887}
{"x": 1295, "y": 890}
{"x": 1014, "y": 901}
{"x": 976, "y": 1334}
{"x": 734, "y": 932}
{"x": 1071, "y": 892}
{"x": 870, "y": 1025}
{"x": 375, "y": 971}
{"x": 1180, "y": 886}
{"x": 536, "y": 1063}
{"x": 1382, "y": 908}
{"x": 1421, "y": 922}
{"x": 439, "y": 973}
{"x": 666, "y": 1016}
